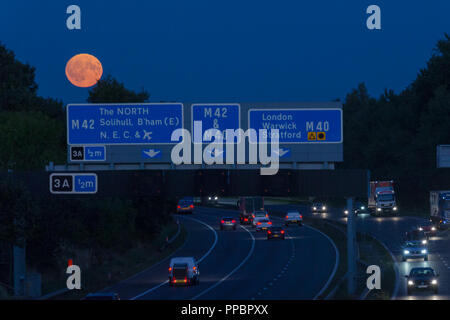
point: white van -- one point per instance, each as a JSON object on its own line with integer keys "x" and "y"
{"x": 183, "y": 270}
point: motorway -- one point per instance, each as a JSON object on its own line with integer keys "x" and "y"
{"x": 240, "y": 264}
{"x": 389, "y": 230}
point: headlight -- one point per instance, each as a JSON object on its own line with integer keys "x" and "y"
{"x": 346, "y": 211}
{"x": 433, "y": 229}
{"x": 314, "y": 208}
{"x": 215, "y": 198}
{"x": 424, "y": 251}
{"x": 424, "y": 241}
{"x": 209, "y": 198}
{"x": 395, "y": 208}
{"x": 378, "y": 209}
{"x": 420, "y": 229}
{"x": 324, "y": 208}
{"x": 434, "y": 281}
{"x": 362, "y": 208}
{"x": 410, "y": 282}
{"x": 406, "y": 252}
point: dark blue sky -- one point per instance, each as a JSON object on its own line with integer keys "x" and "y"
{"x": 212, "y": 50}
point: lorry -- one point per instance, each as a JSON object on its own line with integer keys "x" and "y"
{"x": 382, "y": 198}
{"x": 440, "y": 208}
{"x": 248, "y": 205}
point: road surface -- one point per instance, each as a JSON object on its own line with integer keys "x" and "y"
{"x": 240, "y": 264}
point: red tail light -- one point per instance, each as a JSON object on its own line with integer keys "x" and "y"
{"x": 245, "y": 219}
{"x": 192, "y": 206}
{"x": 269, "y": 232}
{"x": 301, "y": 216}
{"x": 270, "y": 222}
{"x": 194, "y": 268}
{"x": 173, "y": 279}
{"x": 222, "y": 221}
{"x": 185, "y": 280}
{"x": 287, "y": 217}
{"x": 234, "y": 221}
{"x": 258, "y": 223}
{"x": 178, "y": 207}
{"x": 282, "y": 231}
{"x": 170, "y": 269}
{"x": 267, "y": 215}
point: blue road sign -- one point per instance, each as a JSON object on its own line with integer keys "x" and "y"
{"x": 215, "y": 116}
{"x": 94, "y": 153}
{"x": 299, "y": 125}
{"x": 86, "y": 183}
{"x": 151, "y": 153}
{"x": 111, "y": 124}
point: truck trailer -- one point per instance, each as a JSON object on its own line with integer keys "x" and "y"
{"x": 248, "y": 205}
{"x": 440, "y": 208}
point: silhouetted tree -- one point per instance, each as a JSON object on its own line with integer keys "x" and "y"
{"x": 109, "y": 90}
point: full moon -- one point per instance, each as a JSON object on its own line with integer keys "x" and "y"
{"x": 84, "y": 70}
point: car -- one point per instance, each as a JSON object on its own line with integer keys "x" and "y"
{"x": 227, "y": 222}
{"x": 422, "y": 278}
{"x": 429, "y": 230}
{"x": 183, "y": 270}
{"x": 262, "y": 224}
{"x": 293, "y": 217}
{"x": 416, "y": 235}
{"x": 185, "y": 206}
{"x": 213, "y": 199}
{"x": 260, "y": 214}
{"x": 361, "y": 208}
{"x": 275, "y": 232}
{"x": 414, "y": 250}
{"x": 318, "y": 207}
{"x": 102, "y": 296}
{"x": 245, "y": 219}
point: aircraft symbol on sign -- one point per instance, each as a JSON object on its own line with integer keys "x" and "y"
{"x": 283, "y": 152}
{"x": 147, "y": 135}
{"x": 151, "y": 153}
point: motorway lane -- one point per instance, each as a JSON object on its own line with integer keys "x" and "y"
{"x": 240, "y": 264}
{"x": 390, "y": 230}
{"x": 199, "y": 242}
{"x": 295, "y": 268}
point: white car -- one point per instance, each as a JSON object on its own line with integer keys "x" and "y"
{"x": 183, "y": 270}
{"x": 263, "y": 224}
{"x": 255, "y": 220}
{"x": 260, "y": 214}
{"x": 293, "y": 217}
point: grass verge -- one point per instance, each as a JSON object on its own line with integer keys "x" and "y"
{"x": 371, "y": 252}
{"x": 121, "y": 267}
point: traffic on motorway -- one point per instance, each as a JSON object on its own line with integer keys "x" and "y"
{"x": 284, "y": 222}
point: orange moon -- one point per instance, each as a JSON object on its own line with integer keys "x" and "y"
{"x": 84, "y": 70}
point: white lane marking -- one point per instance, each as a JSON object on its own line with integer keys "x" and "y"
{"x": 336, "y": 263}
{"x": 232, "y": 271}
{"x": 396, "y": 269}
{"x": 203, "y": 257}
